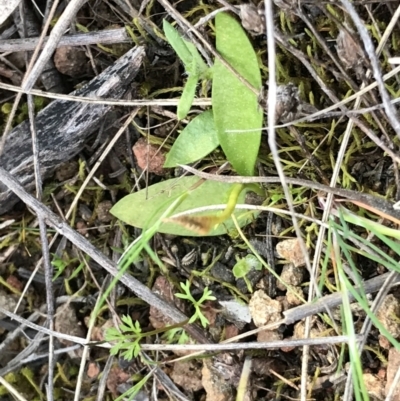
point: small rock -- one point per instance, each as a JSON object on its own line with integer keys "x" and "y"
{"x": 299, "y": 329}
{"x": 267, "y": 336}
{"x": 221, "y": 272}
{"x": 9, "y": 303}
{"x": 81, "y": 227}
{"x": 392, "y": 368}
{"x": 15, "y": 283}
{"x": 389, "y": 315}
{"x": 253, "y": 18}
{"x": 216, "y": 387}
{"x": 289, "y": 249}
{"x": 231, "y": 331}
{"x": 66, "y": 322}
{"x": 70, "y": 61}
{"x": 349, "y": 51}
{"x": 93, "y": 370}
{"x": 149, "y": 157}
{"x": 263, "y": 309}
{"x": 103, "y": 211}
{"x": 116, "y": 377}
{"x": 99, "y": 333}
{"x": 384, "y": 342}
{"x": 294, "y": 296}
{"x": 235, "y": 312}
{"x": 374, "y": 386}
{"x": 291, "y": 275}
{"x": 187, "y": 375}
{"x": 287, "y": 103}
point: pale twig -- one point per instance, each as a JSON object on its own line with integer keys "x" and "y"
{"x": 85, "y": 352}
{"x": 109, "y": 36}
{"x": 12, "y": 390}
{"x": 373, "y": 201}
{"x": 29, "y": 74}
{"x": 45, "y": 249}
{"x": 369, "y": 47}
{"x": 133, "y": 284}
{"x": 55, "y": 36}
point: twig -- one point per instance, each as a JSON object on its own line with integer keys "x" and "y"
{"x": 63, "y": 127}
{"x": 371, "y": 200}
{"x": 133, "y": 284}
{"x": 250, "y": 345}
{"x": 55, "y": 36}
{"x": 369, "y": 47}
{"x": 109, "y": 36}
{"x": 45, "y": 249}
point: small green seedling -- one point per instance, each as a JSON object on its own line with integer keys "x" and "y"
{"x": 128, "y": 340}
{"x": 244, "y": 266}
{"x": 234, "y": 123}
{"x": 195, "y": 67}
{"x": 198, "y": 314}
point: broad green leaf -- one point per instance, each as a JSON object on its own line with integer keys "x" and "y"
{"x": 142, "y": 209}
{"x": 188, "y": 93}
{"x": 235, "y": 106}
{"x": 178, "y": 44}
{"x": 197, "y": 140}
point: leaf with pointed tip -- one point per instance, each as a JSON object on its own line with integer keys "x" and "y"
{"x": 142, "y": 209}
{"x": 197, "y": 140}
{"x": 177, "y": 42}
{"x": 188, "y": 93}
{"x": 235, "y": 106}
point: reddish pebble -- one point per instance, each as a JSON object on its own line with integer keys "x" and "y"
{"x": 149, "y": 157}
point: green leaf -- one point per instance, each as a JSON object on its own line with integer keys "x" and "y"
{"x": 199, "y": 65}
{"x": 144, "y": 208}
{"x": 245, "y": 265}
{"x": 186, "y": 51}
{"x": 197, "y": 140}
{"x": 235, "y": 106}
{"x": 186, "y": 100}
{"x": 178, "y": 44}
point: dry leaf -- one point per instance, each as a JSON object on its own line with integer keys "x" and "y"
{"x": 201, "y": 225}
{"x": 349, "y": 51}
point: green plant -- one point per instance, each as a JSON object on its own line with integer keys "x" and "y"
{"x": 344, "y": 243}
{"x": 243, "y": 266}
{"x": 198, "y": 314}
{"x": 61, "y": 263}
{"x": 234, "y": 123}
{"x": 127, "y": 339}
{"x": 195, "y": 67}
{"x": 176, "y": 336}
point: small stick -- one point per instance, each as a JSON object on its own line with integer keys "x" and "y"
{"x": 109, "y": 36}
